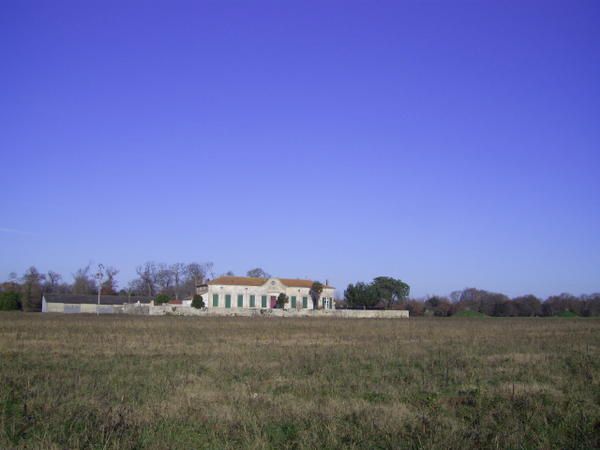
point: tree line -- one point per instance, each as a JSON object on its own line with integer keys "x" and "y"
{"x": 156, "y": 280}
{"x": 390, "y": 293}
{"x": 177, "y": 280}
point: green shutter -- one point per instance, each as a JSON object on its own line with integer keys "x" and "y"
{"x": 294, "y": 301}
{"x": 240, "y": 300}
{"x": 305, "y": 302}
{"x": 227, "y": 301}
{"x": 252, "y": 301}
{"x": 263, "y": 301}
{"x": 215, "y": 300}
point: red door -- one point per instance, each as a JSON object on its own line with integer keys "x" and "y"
{"x": 273, "y": 301}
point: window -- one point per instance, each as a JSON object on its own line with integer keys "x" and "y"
{"x": 215, "y": 300}
{"x": 227, "y": 301}
{"x": 263, "y": 301}
{"x": 240, "y": 300}
{"x": 293, "y": 301}
{"x": 252, "y": 302}
{"x": 305, "y": 302}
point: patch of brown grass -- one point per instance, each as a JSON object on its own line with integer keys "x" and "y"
{"x": 175, "y": 382}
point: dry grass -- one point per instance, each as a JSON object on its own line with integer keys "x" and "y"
{"x": 176, "y": 382}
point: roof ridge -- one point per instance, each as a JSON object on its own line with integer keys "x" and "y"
{"x": 257, "y": 281}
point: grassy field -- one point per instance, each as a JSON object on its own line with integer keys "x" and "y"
{"x": 176, "y": 382}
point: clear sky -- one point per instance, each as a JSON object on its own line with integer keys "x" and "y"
{"x": 449, "y": 144}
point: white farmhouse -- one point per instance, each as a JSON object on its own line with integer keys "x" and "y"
{"x": 261, "y": 293}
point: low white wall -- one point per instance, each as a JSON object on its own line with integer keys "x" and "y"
{"x": 180, "y": 310}
{"x": 135, "y": 308}
{"x": 55, "y": 307}
{"x": 247, "y": 312}
{"x": 84, "y": 308}
{"x": 372, "y": 314}
{"x": 90, "y": 309}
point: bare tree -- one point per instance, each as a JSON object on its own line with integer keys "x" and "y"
{"x": 178, "y": 271}
{"x": 53, "y": 279}
{"x": 195, "y": 274}
{"x": 83, "y": 283}
{"x": 210, "y": 269}
{"x": 164, "y": 278}
{"x": 136, "y": 287}
{"x": 147, "y": 276}
{"x": 109, "y": 286}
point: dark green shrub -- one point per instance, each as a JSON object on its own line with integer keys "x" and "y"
{"x": 10, "y": 301}
{"x": 281, "y": 300}
{"x": 161, "y": 299}
{"x": 197, "y": 302}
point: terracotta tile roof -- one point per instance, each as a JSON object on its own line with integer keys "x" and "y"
{"x": 251, "y": 281}
{"x": 239, "y": 281}
{"x": 295, "y": 282}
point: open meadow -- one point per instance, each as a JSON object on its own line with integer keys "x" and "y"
{"x": 77, "y": 381}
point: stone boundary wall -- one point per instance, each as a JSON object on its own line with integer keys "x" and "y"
{"x": 231, "y": 312}
{"x": 137, "y": 309}
{"x": 96, "y": 309}
{"x": 179, "y": 310}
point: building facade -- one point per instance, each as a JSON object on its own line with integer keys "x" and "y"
{"x": 262, "y": 293}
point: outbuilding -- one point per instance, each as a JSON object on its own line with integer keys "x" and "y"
{"x": 73, "y": 304}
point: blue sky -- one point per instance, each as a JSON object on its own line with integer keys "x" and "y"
{"x": 449, "y": 144}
